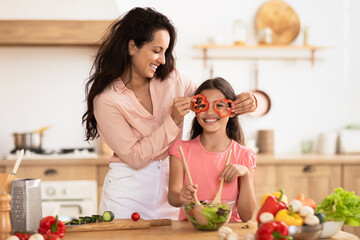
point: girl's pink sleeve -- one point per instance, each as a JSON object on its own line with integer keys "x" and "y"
{"x": 173, "y": 150}
{"x": 249, "y": 159}
{"x": 119, "y": 136}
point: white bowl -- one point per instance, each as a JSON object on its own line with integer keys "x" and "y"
{"x": 331, "y": 228}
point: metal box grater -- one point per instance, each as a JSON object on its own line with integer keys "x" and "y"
{"x": 26, "y": 211}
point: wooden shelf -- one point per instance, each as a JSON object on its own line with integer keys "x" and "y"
{"x": 52, "y": 32}
{"x": 206, "y": 47}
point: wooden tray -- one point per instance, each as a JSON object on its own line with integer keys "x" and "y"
{"x": 281, "y": 19}
{"x": 118, "y": 224}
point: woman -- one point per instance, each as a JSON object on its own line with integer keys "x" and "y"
{"x": 136, "y": 102}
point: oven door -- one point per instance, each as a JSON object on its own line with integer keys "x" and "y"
{"x": 69, "y": 199}
{"x": 69, "y": 209}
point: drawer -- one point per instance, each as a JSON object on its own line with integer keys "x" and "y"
{"x": 47, "y": 173}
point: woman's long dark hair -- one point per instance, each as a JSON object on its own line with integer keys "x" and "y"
{"x": 113, "y": 58}
{"x": 233, "y": 128}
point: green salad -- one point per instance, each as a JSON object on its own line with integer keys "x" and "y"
{"x": 216, "y": 216}
{"x": 341, "y": 205}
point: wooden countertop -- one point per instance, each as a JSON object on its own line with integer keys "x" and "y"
{"x": 262, "y": 159}
{"x": 179, "y": 230}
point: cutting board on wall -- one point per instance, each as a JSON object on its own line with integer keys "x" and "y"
{"x": 118, "y": 224}
{"x": 281, "y": 19}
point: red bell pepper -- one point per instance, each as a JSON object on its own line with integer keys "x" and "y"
{"x": 274, "y": 230}
{"x": 51, "y": 225}
{"x": 223, "y": 107}
{"x": 272, "y": 205}
{"x": 51, "y": 237}
{"x": 201, "y": 104}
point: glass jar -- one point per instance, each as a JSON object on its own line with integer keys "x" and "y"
{"x": 239, "y": 32}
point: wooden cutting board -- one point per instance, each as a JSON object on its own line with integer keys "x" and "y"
{"x": 118, "y": 224}
{"x": 281, "y": 19}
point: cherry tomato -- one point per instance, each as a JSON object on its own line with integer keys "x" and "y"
{"x": 22, "y": 236}
{"x": 135, "y": 216}
{"x": 191, "y": 212}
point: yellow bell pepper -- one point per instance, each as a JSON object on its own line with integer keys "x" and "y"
{"x": 289, "y": 217}
{"x": 284, "y": 198}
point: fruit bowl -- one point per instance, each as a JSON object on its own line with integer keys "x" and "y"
{"x": 305, "y": 232}
{"x": 216, "y": 215}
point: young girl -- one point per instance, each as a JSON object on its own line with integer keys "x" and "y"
{"x": 214, "y": 132}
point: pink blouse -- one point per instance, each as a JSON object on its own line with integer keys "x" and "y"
{"x": 136, "y": 136}
{"x": 205, "y": 168}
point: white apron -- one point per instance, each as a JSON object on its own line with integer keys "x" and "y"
{"x": 127, "y": 190}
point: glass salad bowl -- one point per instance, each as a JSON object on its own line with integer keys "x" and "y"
{"x": 216, "y": 215}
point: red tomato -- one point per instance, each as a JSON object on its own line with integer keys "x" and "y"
{"x": 22, "y": 236}
{"x": 135, "y": 216}
{"x": 191, "y": 212}
{"x": 51, "y": 237}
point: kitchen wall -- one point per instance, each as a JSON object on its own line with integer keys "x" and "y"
{"x": 45, "y": 85}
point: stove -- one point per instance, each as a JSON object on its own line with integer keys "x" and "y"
{"x": 66, "y": 153}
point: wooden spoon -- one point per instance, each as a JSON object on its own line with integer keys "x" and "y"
{"x": 198, "y": 208}
{"x": 8, "y": 178}
{"x": 217, "y": 199}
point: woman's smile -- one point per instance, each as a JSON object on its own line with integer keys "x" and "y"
{"x": 153, "y": 67}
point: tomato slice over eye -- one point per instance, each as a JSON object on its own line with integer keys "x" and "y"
{"x": 223, "y": 107}
{"x": 201, "y": 104}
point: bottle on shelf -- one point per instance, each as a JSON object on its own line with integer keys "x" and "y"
{"x": 239, "y": 32}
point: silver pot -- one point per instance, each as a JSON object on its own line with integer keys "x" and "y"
{"x": 28, "y": 141}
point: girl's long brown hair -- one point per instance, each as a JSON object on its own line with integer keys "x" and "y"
{"x": 113, "y": 58}
{"x": 233, "y": 127}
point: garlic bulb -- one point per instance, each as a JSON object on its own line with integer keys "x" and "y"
{"x": 224, "y": 232}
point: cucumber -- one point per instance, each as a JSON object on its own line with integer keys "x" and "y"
{"x": 108, "y": 216}
{"x": 97, "y": 218}
{"x": 321, "y": 217}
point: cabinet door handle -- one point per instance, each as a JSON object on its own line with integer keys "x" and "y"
{"x": 309, "y": 169}
{"x": 50, "y": 172}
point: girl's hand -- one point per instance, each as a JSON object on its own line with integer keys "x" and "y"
{"x": 186, "y": 193}
{"x": 181, "y": 107}
{"x": 233, "y": 171}
{"x": 245, "y": 103}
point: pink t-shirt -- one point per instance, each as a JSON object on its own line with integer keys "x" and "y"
{"x": 205, "y": 168}
{"x": 136, "y": 136}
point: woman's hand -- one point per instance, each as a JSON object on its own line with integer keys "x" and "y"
{"x": 186, "y": 193}
{"x": 245, "y": 103}
{"x": 181, "y": 107}
{"x": 233, "y": 171}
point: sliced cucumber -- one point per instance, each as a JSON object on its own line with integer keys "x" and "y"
{"x": 108, "y": 216}
{"x": 97, "y": 218}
